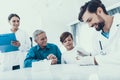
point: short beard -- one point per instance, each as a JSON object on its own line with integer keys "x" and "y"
{"x": 100, "y": 26}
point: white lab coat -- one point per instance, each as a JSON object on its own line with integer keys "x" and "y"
{"x": 23, "y": 38}
{"x": 110, "y": 46}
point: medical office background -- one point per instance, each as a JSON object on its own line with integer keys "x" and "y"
{"x": 54, "y": 17}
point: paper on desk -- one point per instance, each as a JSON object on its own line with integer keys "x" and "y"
{"x": 41, "y": 65}
{"x": 86, "y": 61}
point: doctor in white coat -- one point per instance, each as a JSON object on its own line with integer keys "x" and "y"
{"x": 107, "y": 40}
{"x": 23, "y": 41}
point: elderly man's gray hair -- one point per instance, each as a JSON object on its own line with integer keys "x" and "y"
{"x": 36, "y": 33}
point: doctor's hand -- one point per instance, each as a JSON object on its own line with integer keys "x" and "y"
{"x": 53, "y": 58}
{"x": 80, "y": 53}
{"x": 15, "y": 43}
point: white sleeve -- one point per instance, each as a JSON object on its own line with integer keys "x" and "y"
{"x": 24, "y": 40}
{"x": 87, "y": 60}
{"x": 83, "y": 51}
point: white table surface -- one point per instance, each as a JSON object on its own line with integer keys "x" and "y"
{"x": 65, "y": 72}
{"x": 10, "y": 59}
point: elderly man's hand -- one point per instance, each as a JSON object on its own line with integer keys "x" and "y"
{"x": 53, "y": 58}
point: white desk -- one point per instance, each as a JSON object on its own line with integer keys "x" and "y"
{"x": 10, "y": 59}
{"x": 65, "y": 72}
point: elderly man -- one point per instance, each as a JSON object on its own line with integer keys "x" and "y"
{"x": 42, "y": 50}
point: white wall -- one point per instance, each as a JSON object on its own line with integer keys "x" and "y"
{"x": 24, "y": 8}
{"x": 53, "y": 16}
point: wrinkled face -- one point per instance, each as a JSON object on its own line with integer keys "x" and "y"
{"x": 41, "y": 40}
{"x": 68, "y": 43}
{"x": 93, "y": 20}
{"x": 15, "y": 22}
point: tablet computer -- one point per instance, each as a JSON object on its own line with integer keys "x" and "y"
{"x": 5, "y": 42}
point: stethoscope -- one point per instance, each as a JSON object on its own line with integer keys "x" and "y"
{"x": 102, "y": 52}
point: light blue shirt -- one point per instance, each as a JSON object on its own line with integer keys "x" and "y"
{"x": 105, "y": 34}
{"x": 37, "y": 54}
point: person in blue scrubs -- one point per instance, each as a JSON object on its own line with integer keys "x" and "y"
{"x": 42, "y": 50}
